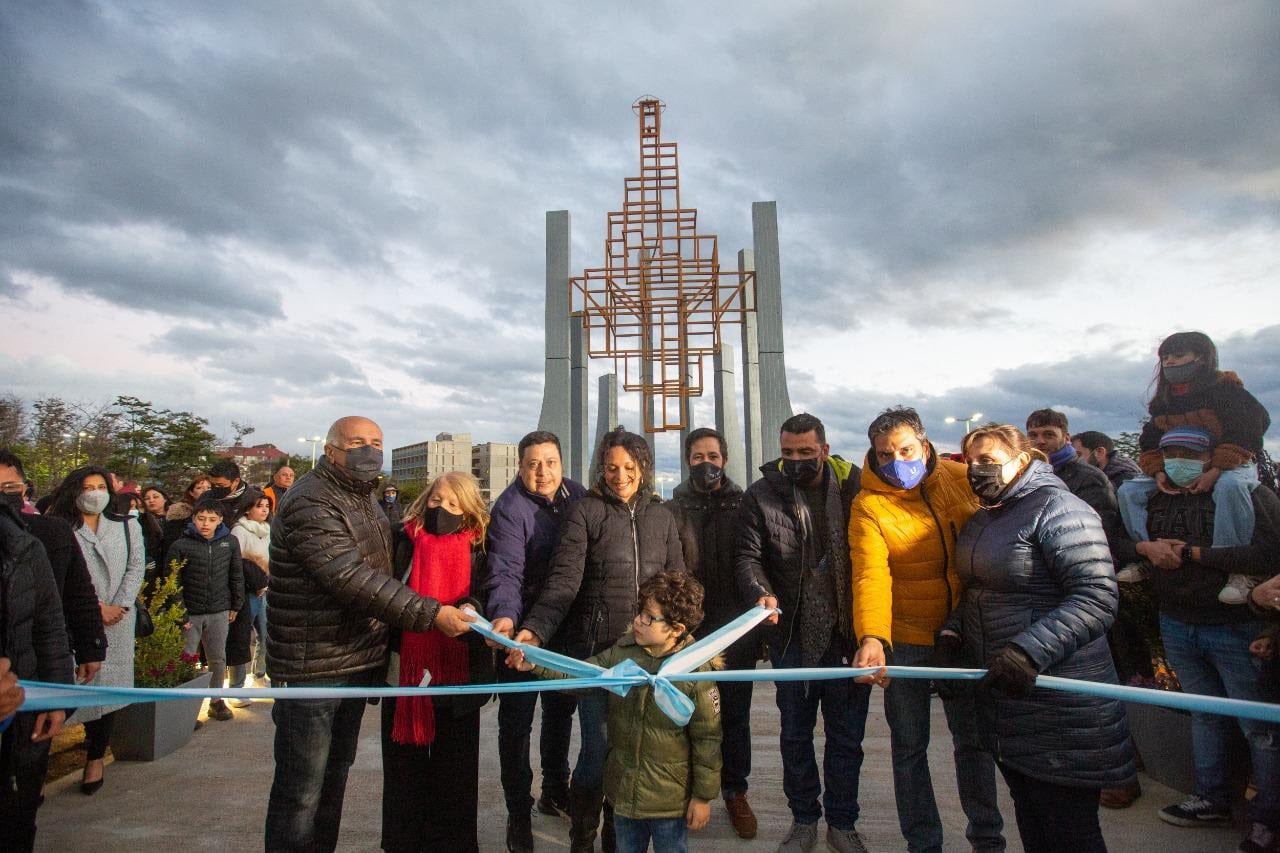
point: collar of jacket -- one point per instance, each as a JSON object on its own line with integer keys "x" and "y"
{"x": 1038, "y": 475}
{"x": 340, "y": 478}
{"x": 872, "y": 480}
{"x": 561, "y": 495}
{"x": 257, "y": 528}
{"x": 606, "y": 494}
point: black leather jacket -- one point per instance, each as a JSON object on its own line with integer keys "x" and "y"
{"x": 332, "y": 591}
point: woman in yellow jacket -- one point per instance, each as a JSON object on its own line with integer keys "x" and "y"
{"x": 902, "y": 533}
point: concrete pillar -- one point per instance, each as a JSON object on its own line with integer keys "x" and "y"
{"x": 686, "y": 418}
{"x": 775, "y": 401}
{"x": 579, "y": 400}
{"x": 556, "y": 400}
{"x": 727, "y": 414}
{"x": 753, "y": 456}
{"x": 606, "y": 418}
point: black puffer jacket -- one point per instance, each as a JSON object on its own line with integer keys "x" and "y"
{"x": 1090, "y": 484}
{"x": 1037, "y": 574}
{"x": 773, "y": 550}
{"x": 606, "y": 550}
{"x": 708, "y": 527}
{"x": 212, "y": 575}
{"x": 332, "y": 593}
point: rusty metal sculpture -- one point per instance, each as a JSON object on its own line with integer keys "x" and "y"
{"x": 657, "y": 305}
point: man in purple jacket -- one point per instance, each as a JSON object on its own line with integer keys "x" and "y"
{"x": 523, "y": 528}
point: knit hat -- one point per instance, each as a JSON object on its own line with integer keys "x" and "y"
{"x": 1191, "y": 438}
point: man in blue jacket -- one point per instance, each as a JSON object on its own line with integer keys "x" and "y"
{"x": 523, "y": 528}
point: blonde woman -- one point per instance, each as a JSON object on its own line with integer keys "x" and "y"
{"x": 431, "y": 747}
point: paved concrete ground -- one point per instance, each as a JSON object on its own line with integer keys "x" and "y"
{"x": 212, "y": 795}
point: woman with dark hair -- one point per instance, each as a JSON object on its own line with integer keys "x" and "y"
{"x": 155, "y": 503}
{"x": 614, "y": 539}
{"x": 115, "y": 553}
{"x": 431, "y": 746}
{"x": 1190, "y": 391}
{"x": 252, "y": 614}
{"x": 1039, "y": 596}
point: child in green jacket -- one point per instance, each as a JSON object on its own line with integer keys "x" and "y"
{"x": 659, "y": 776}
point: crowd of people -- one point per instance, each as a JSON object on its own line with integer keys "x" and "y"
{"x": 1003, "y": 556}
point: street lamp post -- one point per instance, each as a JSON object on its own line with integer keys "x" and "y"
{"x": 79, "y": 437}
{"x": 663, "y": 479}
{"x": 315, "y": 440}
{"x": 967, "y": 421}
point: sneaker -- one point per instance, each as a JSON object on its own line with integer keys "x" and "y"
{"x": 1259, "y": 840}
{"x": 741, "y": 815}
{"x": 240, "y": 703}
{"x": 554, "y": 803}
{"x": 802, "y": 838}
{"x": 218, "y": 710}
{"x": 1237, "y": 589}
{"x": 1133, "y": 573}
{"x": 519, "y": 833}
{"x": 1195, "y": 811}
{"x": 845, "y": 840}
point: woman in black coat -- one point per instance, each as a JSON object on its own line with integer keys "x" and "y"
{"x": 1039, "y": 595}
{"x": 613, "y": 540}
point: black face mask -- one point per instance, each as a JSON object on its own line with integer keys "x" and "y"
{"x": 987, "y": 480}
{"x": 14, "y": 500}
{"x": 439, "y": 521}
{"x": 364, "y": 462}
{"x": 218, "y": 492}
{"x": 1181, "y": 373}
{"x": 706, "y": 476}
{"x": 800, "y": 471}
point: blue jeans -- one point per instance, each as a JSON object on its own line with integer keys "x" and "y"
{"x": 906, "y": 708}
{"x": 669, "y": 834}
{"x": 1233, "y": 514}
{"x": 844, "y": 720}
{"x": 593, "y": 717}
{"x": 258, "y": 609}
{"x": 515, "y": 725}
{"x": 315, "y": 746}
{"x": 1214, "y": 660}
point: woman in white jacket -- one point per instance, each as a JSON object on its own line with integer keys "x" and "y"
{"x": 253, "y": 532}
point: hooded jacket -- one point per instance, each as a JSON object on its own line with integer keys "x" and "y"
{"x": 1231, "y": 415}
{"x": 708, "y": 526}
{"x": 1120, "y": 469}
{"x": 607, "y": 549}
{"x": 1037, "y": 575}
{"x": 212, "y": 576}
{"x": 332, "y": 593}
{"x": 523, "y": 529}
{"x": 902, "y": 545}
{"x": 654, "y": 765}
{"x": 776, "y": 546}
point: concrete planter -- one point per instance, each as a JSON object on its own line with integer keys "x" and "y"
{"x": 151, "y": 730}
{"x": 1163, "y": 738}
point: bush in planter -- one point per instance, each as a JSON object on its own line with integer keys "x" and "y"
{"x": 158, "y": 660}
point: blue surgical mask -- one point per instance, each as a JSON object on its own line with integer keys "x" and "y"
{"x": 905, "y": 474}
{"x": 1183, "y": 471}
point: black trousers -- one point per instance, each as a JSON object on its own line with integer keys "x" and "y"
{"x": 97, "y": 736}
{"x": 735, "y": 719}
{"x": 1054, "y": 818}
{"x": 22, "y": 770}
{"x": 515, "y": 726}
{"x": 430, "y": 793}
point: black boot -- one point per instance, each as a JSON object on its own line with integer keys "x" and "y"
{"x": 608, "y": 841}
{"x": 584, "y": 817}
{"x": 519, "y": 833}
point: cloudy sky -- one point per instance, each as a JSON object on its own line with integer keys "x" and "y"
{"x": 282, "y": 213}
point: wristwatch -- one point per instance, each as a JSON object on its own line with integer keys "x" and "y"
{"x": 1185, "y": 554}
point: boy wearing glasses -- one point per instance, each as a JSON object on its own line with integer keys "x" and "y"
{"x": 659, "y": 776}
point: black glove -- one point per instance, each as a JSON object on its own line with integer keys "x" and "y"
{"x": 1010, "y": 674}
{"x": 946, "y": 655}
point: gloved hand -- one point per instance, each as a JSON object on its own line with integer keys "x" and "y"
{"x": 1010, "y": 674}
{"x": 946, "y": 655}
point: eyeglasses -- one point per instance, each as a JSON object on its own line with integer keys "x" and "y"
{"x": 13, "y": 488}
{"x": 646, "y": 619}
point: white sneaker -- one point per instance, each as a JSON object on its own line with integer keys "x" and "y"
{"x": 239, "y": 703}
{"x": 1132, "y": 573}
{"x": 1237, "y": 589}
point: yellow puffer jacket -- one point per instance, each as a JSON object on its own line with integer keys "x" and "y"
{"x": 902, "y": 545}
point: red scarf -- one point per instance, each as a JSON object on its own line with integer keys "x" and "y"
{"x": 441, "y": 570}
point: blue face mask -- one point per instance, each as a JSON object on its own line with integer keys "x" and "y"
{"x": 1183, "y": 471}
{"x": 904, "y": 474}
